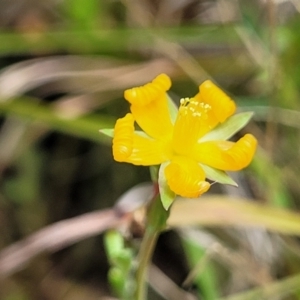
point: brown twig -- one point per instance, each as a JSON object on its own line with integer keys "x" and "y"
{"x": 57, "y": 236}
{"x": 67, "y": 232}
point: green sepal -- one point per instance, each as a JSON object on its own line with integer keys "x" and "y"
{"x": 218, "y": 175}
{"x": 108, "y": 132}
{"x": 157, "y": 216}
{"x": 154, "y": 170}
{"x": 173, "y": 109}
{"x": 227, "y": 129}
{"x": 167, "y": 196}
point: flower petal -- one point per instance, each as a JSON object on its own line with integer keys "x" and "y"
{"x": 222, "y": 106}
{"x": 123, "y": 138}
{"x": 143, "y": 95}
{"x": 199, "y": 115}
{"x": 133, "y": 147}
{"x": 224, "y": 155}
{"x": 186, "y": 178}
{"x": 149, "y": 152}
{"x": 150, "y": 108}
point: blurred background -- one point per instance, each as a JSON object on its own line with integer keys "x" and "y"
{"x": 64, "y": 67}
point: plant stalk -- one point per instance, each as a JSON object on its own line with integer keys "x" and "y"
{"x": 145, "y": 255}
{"x": 155, "y": 224}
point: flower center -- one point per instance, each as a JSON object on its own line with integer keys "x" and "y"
{"x": 193, "y": 120}
{"x": 194, "y": 108}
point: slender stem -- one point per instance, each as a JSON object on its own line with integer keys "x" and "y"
{"x": 155, "y": 224}
{"x": 145, "y": 255}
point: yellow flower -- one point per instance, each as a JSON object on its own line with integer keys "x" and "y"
{"x": 181, "y": 144}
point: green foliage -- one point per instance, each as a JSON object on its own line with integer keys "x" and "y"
{"x": 120, "y": 258}
{"x": 86, "y": 127}
{"x": 83, "y": 14}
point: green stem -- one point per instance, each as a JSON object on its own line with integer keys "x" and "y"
{"x": 145, "y": 255}
{"x": 156, "y": 222}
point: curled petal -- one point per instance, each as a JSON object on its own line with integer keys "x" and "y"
{"x": 224, "y": 155}
{"x": 149, "y": 106}
{"x": 222, "y": 106}
{"x": 136, "y": 147}
{"x": 149, "y": 92}
{"x": 242, "y": 152}
{"x": 123, "y": 138}
{"x": 186, "y": 178}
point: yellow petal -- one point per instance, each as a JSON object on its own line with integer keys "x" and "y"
{"x": 186, "y": 178}
{"x": 149, "y": 106}
{"x": 222, "y": 106}
{"x": 147, "y": 93}
{"x": 148, "y": 152}
{"x": 154, "y": 118}
{"x": 224, "y": 155}
{"x": 131, "y": 147}
{"x": 123, "y": 138}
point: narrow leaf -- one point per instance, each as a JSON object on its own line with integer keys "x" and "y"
{"x": 217, "y": 210}
{"x": 114, "y": 244}
{"x": 85, "y": 126}
{"x": 279, "y": 289}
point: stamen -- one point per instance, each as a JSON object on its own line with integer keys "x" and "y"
{"x": 192, "y": 122}
{"x": 194, "y": 108}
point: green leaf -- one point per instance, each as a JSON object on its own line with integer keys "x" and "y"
{"x": 117, "y": 280}
{"x": 124, "y": 260}
{"x": 279, "y": 289}
{"x": 154, "y": 173}
{"x": 218, "y": 175}
{"x": 114, "y": 244}
{"x": 198, "y": 259}
{"x": 167, "y": 196}
{"x": 82, "y": 13}
{"x": 227, "y": 129}
{"x": 116, "y": 40}
{"x": 31, "y": 110}
{"x": 120, "y": 259}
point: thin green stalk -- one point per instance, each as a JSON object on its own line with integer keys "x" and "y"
{"x": 145, "y": 255}
{"x": 156, "y": 221}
